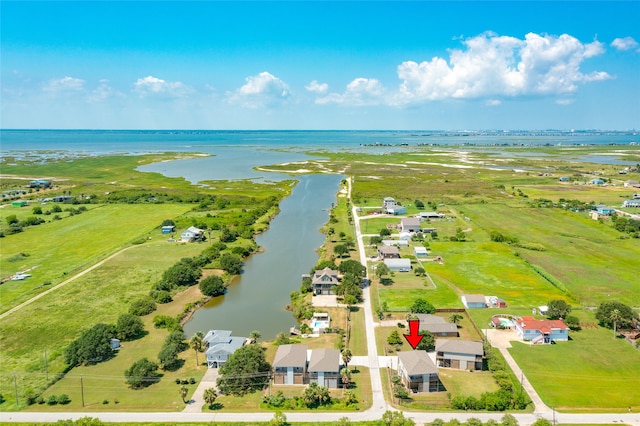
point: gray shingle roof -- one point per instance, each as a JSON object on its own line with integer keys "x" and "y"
{"x": 324, "y": 360}
{"x": 291, "y": 356}
{"x": 459, "y": 346}
{"x": 417, "y": 362}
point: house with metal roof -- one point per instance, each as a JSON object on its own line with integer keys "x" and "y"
{"x": 399, "y": 265}
{"x": 417, "y": 372}
{"x": 410, "y": 224}
{"x": 460, "y": 354}
{"x": 220, "y": 345}
{"x": 437, "y": 326}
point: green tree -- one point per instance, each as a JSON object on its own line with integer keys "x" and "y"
{"x": 509, "y": 420}
{"x": 345, "y": 376}
{"x": 315, "y": 395}
{"x": 557, "y": 309}
{"x": 603, "y": 314}
{"x": 341, "y": 250}
{"x": 419, "y": 204}
{"x": 94, "y": 345}
{"x": 129, "y": 327}
{"x": 143, "y": 306}
{"x": 419, "y": 271}
{"x": 394, "y": 338}
{"x": 396, "y": 418}
{"x": 231, "y": 263}
{"x": 168, "y": 222}
{"x": 353, "y": 267}
{"x": 615, "y": 316}
{"x": 346, "y": 356}
{"x": 254, "y": 336}
{"x": 213, "y": 286}
{"x": 421, "y": 306}
{"x": 350, "y": 398}
{"x": 385, "y": 232}
{"x": 246, "y": 371}
{"x": 210, "y": 396}
{"x": 37, "y": 210}
{"x": 400, "y": 392}
{"x": 182, "y": 274}
{"x": 168, "y": 357}
{"x": 197, "y": 344}
{"x": 184, "y": 391}
{"x": 142, "y": 373}
{"x": 428, "y": 342}
{"x": 350, "y": 300}
{"x": 382, "y": 270}
{"x": 455, "y": 318}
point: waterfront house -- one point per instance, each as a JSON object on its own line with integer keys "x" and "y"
{"x": 400, "y": 265}
{"x": 290, "y": 365}
{"x": 324, "y": 367}
{"x": 388, "y": 252}
{"x": 417, "y": 372}
{"x": 410, "y": 224}
{"x": 541, "y": 331}
{"x": 474, "y": 301}
{"x": 324, "y": 281}
{"x": 437, "y": 326}
{"x": 220, "y": 344}
{"x": 460, "y": 354}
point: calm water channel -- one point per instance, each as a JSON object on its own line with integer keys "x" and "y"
{"x": 257, "y": 300}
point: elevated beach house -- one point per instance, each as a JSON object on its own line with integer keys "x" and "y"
{"x": 290, "y": 365}
{"x": 460, "y": 354}
{"x": 220, "y": 344}
{"x": 324, "y": 281}
{"x": 324, "y": 367}
{"x": 417, "y": 372}
{"x": 541, "y": 331}
{"x": 191, "y": 234}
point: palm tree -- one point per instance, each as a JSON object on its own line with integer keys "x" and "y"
{"x": 183, "y": 393}
{"x": 210, "y": 396}
{"x": 346, "y": 356}
{"x": 254, "y": 336}
{"x": 615, "y": 317}
{"x": 345, "y": 375}
{"x": 455, "y": 318}
{"x": 198, "y": 344}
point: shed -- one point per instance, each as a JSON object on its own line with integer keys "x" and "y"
{"x": 397, "y": 243}
{"x": 420, "y": 251}
{"x": 168, "y": 229}
{"x": 19, "y": 203}
{"x": 396, "y": 210}
{"x": 472, "y": 301}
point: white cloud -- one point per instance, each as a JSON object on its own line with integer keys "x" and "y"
{"x": 624, "y": 43}
{"x": 565, "y": 101}
{"x": 493, "y": 102}
{"x": 316, "y": 87}
{"x": 361, "y": 91}
{"x": 65, "y": 84}
{"x": 495, "y": 66}
{"x": 102, "y": 92}
{"x": 154, "y": 86}
{"x": 260, "y": 90}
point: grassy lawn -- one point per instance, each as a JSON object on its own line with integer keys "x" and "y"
{"x": 574, "y": 248}
{"x": 61, "y": 248}
{"x": 358, "y": 339}
{"x": 51, "y": 322}
{"x": 105, "y": 381}
{"x": 575, "y": 375}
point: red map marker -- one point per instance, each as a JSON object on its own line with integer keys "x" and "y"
{"x": 413, "y": 337}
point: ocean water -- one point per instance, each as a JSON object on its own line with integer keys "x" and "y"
{"x": 136, "y": 141}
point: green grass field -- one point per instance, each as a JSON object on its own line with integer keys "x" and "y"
{"x": 591, "y": 372}
{"x": 60, "y": 249}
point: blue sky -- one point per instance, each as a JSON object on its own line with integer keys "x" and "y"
{"x": 320, "y": 65}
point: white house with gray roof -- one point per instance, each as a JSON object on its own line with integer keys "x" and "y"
{"x": 460, "y": 354}
{"x": 417, "y": 371}
{"x": 290, "y": 365}
{"x": 324, "y": 367}
{"x": 437, "y": 326}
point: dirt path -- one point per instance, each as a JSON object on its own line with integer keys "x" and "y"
{"x": 44, "y": 293}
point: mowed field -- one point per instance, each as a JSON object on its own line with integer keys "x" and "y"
{"x": 58, "y": 249}
{"x": 587, "y": 257}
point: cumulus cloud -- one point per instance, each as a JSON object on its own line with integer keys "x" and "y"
{"x": 65, "y": 84}
{"x": 102, "y": 92}
{"x": 153, "y": 86}
{"x": 501, "y": 66}
{"x": 260, "y": 90}
{"x": 316, "y": 87}
{"x": 624, "y": 43}
{"x": 493, "y": 102}
{"x": 361, "y": 91}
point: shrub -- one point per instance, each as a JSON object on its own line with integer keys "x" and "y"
{"x": 52, "y": 400}
{"x": 212, "y": 286}
{"x": 142, "y": 306}
{"x": 142, "y": 373}
{"x": 129, "y": 326}
{"x": 161, "y": 296}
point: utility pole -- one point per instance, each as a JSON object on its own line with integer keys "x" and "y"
{"x": 46, "y": 365}
{"x": 15, "y": 386}
{"x": 82, "y": 390}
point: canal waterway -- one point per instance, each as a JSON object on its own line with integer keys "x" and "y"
{"x": 257, "y": 300}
